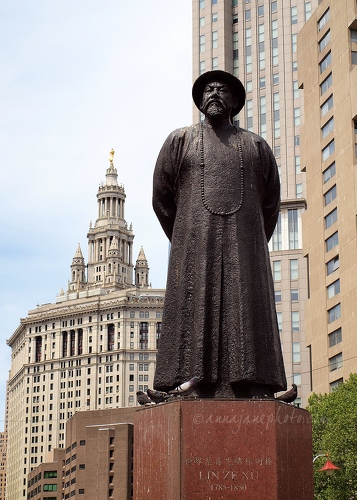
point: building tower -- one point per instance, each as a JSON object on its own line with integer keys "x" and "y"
{"x": 328, "y": 75}
{"x": 90, "y": 350}
{"x": 110, "y": 241}
{"x": 141, "y": 270}
{"x": 257, "y": 41}
{"x": 78, "y": 271}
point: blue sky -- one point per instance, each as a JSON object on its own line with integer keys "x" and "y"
{"x": 77, "y": 79}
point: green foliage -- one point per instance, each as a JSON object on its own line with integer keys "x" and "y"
{"x": 334, "y": 429}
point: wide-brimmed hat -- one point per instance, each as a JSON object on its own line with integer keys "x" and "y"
{"x": 217, "y": 75}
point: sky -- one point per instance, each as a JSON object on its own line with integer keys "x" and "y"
{"x": 77, "y": 79}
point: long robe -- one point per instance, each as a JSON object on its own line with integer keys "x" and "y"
{"x": 219, "y": 320}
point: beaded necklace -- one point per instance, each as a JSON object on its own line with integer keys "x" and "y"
{"x": 202, "y": 163}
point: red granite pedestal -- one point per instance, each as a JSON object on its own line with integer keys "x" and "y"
{"x": 223, "y": 449}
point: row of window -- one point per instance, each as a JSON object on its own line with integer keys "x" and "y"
{"x": 294, "y": 269}
{"x": 294, "y": 323}
{"x": 109, "y": 316}
{"x": 294, "y": 295}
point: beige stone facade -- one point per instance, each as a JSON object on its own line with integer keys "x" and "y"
{"x": 90, "y": 350}
{"x": 257, "y": 41}
{"x": 328, "y": 75}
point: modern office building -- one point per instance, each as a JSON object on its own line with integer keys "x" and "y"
{"x": 328, "y": 76}
{"x": 97, "y": 461}
{"x": 91, "y": 349}
{"x": 257, "y": 41}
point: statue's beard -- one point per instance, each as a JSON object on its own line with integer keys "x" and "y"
{"x": 213, "y": 109}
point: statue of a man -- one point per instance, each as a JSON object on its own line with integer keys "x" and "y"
{"x": 217, "y": 196}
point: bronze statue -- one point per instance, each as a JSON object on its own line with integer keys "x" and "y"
{"x": 217, "y": 196}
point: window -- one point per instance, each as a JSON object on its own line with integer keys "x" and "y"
{"x": 326, "y": 61}
{"x": 50, "y": 487}
{"x": 329, "y": 172}
{"x": 298, "y": 190}
{"x": 328, "y": 150}
{"x": 247, "y": 15}
{"x": 131, "y": 367}
{"x": 294, "y": 292}
{"x": 202, "y": 49}
{"x": 335, "y": 337}
{"x": 276, "y": 114}
{"x": 323, "y": 20}
{"x": 293, "y": 229}
{"x": 332, "y": 241}
{"x": 330, "y": 195}
{"x": 277, "y": 295}
{"x": 214, "y": 2}
{"x": 307, "y": 10}
{"x": 235, "y": 47}
{"x": 326, "y": 106}
{"x": 297, "y": 378}
{"x": 353, "y": 34}
{"x": 297, "y": 164}
{"x": 262, "y": 82}
{"x": 275, "y": 42}
{"x": 214, "y": 63}
{"x": 294, "y": 42}
{"x": 331, "y": 218}
{"x": 215, "y": 18}
{"x": 335, "y": 384}
{"x": 296, "y": 89}
{"x": 277, "y": 235}
{"x": 297, "y": 117}
{"x": 214, "y": 39}
{"x": 335, "y": 362}
{"x": 332, "y": 265}
{"x": 248, "y": 50}
{"x": 202, "y": 21}
{"x": 294, "y": 269}
{"x": 334, "y": 313}
{"x": 296, "y": 352}
{"x": 202, "y": 67}
{"x": 326, "y": 84}
{"x": 353, "y": 57}
{"x": 295, "y": 321}
{"x": 294, "y": 16}
{"x": 277, "y": 270}
{"x": 327, "y": 128}
{"x": 249, "y": 112}
{"x": 202, "y": 4}
{"x": 261, "y": 46}
{"x": 279, "y": 317}
{"x": 324, "y": 41}
{"x": 274, "y": 6}
{"x": 333, "y": 289}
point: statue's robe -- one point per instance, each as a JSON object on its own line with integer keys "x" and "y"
{"x": 219, "y": 320}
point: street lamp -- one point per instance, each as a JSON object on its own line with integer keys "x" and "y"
{"x": 329, "y": 467}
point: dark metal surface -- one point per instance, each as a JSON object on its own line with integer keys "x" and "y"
{"x": 217, "y": 195}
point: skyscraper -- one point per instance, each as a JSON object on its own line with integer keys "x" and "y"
{"x": 91, "y": 349}
{"x": 328, "y": 74}
{"x": 257, "y": 41}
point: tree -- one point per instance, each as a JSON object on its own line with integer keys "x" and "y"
{"x": 334, "y": 428}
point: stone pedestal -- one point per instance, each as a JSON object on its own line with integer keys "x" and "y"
{"x": 213, "y": 449}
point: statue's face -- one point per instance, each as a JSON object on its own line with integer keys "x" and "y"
{"x": 217, "y": 100}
